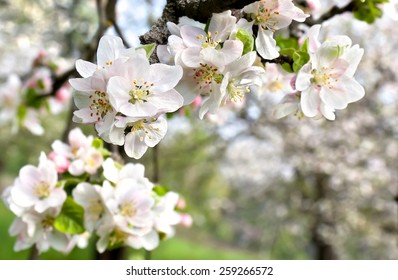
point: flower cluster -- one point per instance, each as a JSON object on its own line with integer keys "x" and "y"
{"x": 125, "y": 96}
{"x": 64, "y": 200}
{"x": 22, "y": 102}
{"x": 216, "y": 63}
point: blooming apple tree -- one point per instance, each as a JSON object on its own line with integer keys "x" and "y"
{"x": 211, "y": 56}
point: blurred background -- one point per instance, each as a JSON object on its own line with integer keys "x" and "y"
{"x": 256, "y": 187}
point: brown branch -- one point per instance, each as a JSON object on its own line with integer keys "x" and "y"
{"x": 331, "y": 13}
{"x": 279, "y": 60}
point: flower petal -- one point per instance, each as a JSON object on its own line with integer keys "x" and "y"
{"x": 266, "y": 44}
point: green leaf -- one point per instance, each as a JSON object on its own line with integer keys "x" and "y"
{"x": 300, "y": 58}
{"x": 247, "y": 39}
{"x": 97, "y": 143}
{"x": 368, "y": 10}
{"x": 149, "y": 49}
{"x": 160, "y": 190}
{"x": 287, "y": 67}
{"x": 304, "y": 47}
{"x": 70, "y": 220}
{"x": 287, "y": 43}
{"x": 21, "y": 113}
{"x": 32, "y": 99}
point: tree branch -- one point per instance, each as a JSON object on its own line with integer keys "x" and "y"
{"x": 334, "y": 11}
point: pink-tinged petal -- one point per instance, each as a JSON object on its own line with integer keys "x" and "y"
{"x": 118, "y": 89}
{"x": 175, "y": 45}
{"x": 334, "y": 97}
{"x": 81, "y": 84}
{"x": 231, "y": 51}
{"x": 156, "y": 132}
{"x": 353, "y": 56}
{"x": 310, "y": 102}
{"x": 190, "y": 35}
{"x": 325, "y": 56}
{"x": 150, "y": 241}
{"x": 354, "y": 90}
{"x": 23, "y": 197}
{"x": 173, "y": 28}
{"x": 252, "y": 8}
{"x": 141, "y": 110}
{"x": 313, "y": 34}
{"x": 327, "y": 112}
{"x": 134, "y": 145}
{"x": 304, "y": 76}
{"x": 108, "y": 49}
{"x": 137, "y": 68}
{"x": 61, "y": 148}
{"x": 86, "y": 115}
{"x": 29, "y": 175}
{"x": 85, "y": 68}
{"x": 164, "y": 55}
{"x": 339, "y": 68}
{"x": 223, "y": 23}
{"x": 165, "y": 102}
{"x": 266, "y": 44}
{"x": 191, "y": 57}
{"x": 288, "y": 9}
{"x": 77, "y": 139}
{"x": 164, "y": 77}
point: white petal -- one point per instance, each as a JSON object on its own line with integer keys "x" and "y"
{"x": 353, "y": 56}
{"x": 169, "y": 101}
{"x": 135, "y": 146}
{"x": 81, "y": 84}
{"x": 150, "y": 241}
{"x": 313, "y": 34}
{"x": 335, "y": 98}
{"x": 190, "y": 35}
{"x": 118, "y": 89}
{"x": 164, "y": 77}
{"x": 310, "y": 101}
{"x": 354, "y": 90}
{"x": 156, "y": 133}
{"x": 223, "y": 23}
{"x": 327, "y": 112}
{"x": 108, "y": 49}
{"x": 303, "y": 80}
{"x": 86, "y": 115}
{"x": 266, "y": 44}
{"x": 85, "y": 68}
{"x": 76, "y": 168}
{"x": 141, "y": 110}
{"x": 191, "y": 57}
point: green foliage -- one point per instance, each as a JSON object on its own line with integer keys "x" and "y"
{"x": 99, "y": 145}
{"x": 160, "y": 190}
{"x": 70, "y": 220}
{"x": 368, "y": 10}
{"x": 290, "y": 47}
{"x": 247, "y": 39}
{"x": 149, "y": 49}
{"x": 32, "y": 99}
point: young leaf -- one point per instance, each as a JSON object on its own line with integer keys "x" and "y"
{"x": 247, "y": 39}
{"x": 149, "y": 49}
{"x": 70, "y": 220}
{"x": 300, "y": 58}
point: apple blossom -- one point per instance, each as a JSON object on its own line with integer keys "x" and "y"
{"x": 36, "y": 187}
{"x": 271, "y": 15}
{"x": 326, "y": 82}
{"x": 9, "y": 99}
{"x": 165, "y": 215}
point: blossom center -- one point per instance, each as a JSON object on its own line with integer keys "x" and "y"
{"x": 140, "y": 92}
{"x": 209, "y": 41}
{"x": 143, "y": 125}
{"x": 266, "y": 14}
{"x": 128, "y": 210}
{"x": 204, "y": 77}
{"x": 99, "y": 104}
{"x": 117, "y": 238}
{"x": 95, "y": 206}
{"x": 323, "y": 77}
{"x": 47, "y": 222}
{"x": 42, "y": 190}
{"x": 236, "y": 92}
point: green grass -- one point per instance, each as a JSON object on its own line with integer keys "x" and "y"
{"x": 176, "y": 248}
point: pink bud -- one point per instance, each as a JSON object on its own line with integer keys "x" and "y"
{"x": 61, "y": 162}
{"x": 197, "y": 101}
{"x": 63, "y": 94}
{"x": 181, "y": 204}
{"x": 186, "y": 220}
